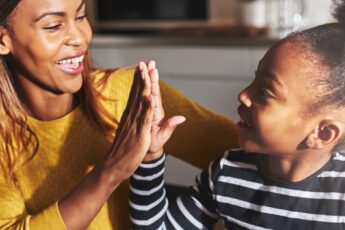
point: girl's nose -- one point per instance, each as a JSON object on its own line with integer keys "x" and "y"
{"x": 244, "y": 98}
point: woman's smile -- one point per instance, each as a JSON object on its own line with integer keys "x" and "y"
{"x": 73, "y": 64}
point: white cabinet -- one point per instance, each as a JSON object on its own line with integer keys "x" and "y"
{"x": 212, "y": 74}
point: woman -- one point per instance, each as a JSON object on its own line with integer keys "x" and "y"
{"x": 61, "y": 166}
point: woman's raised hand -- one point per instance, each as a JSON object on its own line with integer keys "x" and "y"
{"x": 161, "y": 129}
{"x": 133, "y": 136}
{"x": 133, "y": 139}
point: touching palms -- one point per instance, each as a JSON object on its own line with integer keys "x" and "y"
{"x": 161, "y": 129}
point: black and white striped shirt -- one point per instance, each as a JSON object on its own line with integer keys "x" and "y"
{"x": 233, "y": 189}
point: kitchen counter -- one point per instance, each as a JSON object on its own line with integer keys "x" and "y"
{"x": 106, "y": 40}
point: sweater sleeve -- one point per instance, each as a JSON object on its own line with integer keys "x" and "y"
{"x": 13, "y": 213}
{"x": 150, "y": 208}
{"x": 203, "y": 137}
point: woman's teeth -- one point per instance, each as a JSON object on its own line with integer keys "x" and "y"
{"x": 75, "y": 60}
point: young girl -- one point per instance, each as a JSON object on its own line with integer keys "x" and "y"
{"x": 290, "y": 173}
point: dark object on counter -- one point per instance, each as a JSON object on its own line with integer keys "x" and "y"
{"x": 151, "y": 10}
{"x": 214, "y": 31}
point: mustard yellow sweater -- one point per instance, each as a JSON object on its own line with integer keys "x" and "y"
{"x": 70, "y": 146}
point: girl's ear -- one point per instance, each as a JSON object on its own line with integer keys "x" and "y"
{"x": 5, "y": 41}
{"x": 327, "y": 133}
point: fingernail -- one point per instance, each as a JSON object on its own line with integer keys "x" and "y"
{"x": 141, "y": 66}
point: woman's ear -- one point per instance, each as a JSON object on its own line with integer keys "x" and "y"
{"x": 327, "y": 133}
{"x": 4, "y": 41}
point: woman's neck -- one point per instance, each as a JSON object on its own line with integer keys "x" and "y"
{"x": 45, "y": 105}
{"x": 49, "y": 109}
{"x": 292, "y": 169}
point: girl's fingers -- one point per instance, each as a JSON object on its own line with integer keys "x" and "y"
{"x": 155, "y": 91}
{"x": 151, "y": 65}
{"x": 169, "y": 127}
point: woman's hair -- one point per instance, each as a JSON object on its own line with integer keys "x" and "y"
{"x": 325, "y": 45}
{"x": 19, "y": 143}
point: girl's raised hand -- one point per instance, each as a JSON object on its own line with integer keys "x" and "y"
{"x": 161, "y": 129}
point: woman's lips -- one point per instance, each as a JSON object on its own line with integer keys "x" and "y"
{"x": 73, "y": 69}
{"x": 73, "y": 65}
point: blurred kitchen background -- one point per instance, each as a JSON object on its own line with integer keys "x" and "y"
{"x": 207, "y": 49}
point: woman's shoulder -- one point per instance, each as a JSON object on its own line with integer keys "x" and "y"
{"x": 110, "y": 81}
{"x": 124, "y": 74}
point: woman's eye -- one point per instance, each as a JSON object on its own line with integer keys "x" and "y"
{"x": 53, "y": 27}
{"x": 81, "y": 18}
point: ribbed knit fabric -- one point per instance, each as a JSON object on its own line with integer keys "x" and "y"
{"x": 71, "y": 145}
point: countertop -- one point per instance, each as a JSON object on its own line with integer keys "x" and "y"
{"x": 106, "y": 40}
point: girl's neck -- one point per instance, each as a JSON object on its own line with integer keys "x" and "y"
{"x": 292, "y": 169}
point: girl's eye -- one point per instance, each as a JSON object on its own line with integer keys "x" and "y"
{"x": 264, "y": 94}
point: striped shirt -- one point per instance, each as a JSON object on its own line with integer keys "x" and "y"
{"x": 233, "y": 189}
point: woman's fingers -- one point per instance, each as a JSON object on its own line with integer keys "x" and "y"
{"x": 134, "y": 96}
{"x": 146, "y": 79}
{"x": 134, "y": 129}
{"x": 146, "y": 120}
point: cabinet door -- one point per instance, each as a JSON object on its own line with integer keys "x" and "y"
{"x": 217, "y": 95}
{"x": 212, "y": 76}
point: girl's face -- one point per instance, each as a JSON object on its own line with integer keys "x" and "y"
{"x": 273, "y": 107}
{"x": 47, "y": 43}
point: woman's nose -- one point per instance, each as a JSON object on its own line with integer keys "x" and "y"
{"x": 244, "y": 98}
{"x": 75, "y": 37}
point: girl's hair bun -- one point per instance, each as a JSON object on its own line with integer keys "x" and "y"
{"x": 338, "y": 10}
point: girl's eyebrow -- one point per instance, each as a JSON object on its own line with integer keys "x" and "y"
{"x": 271, "y": 75}
{"x": 58, "y": 13}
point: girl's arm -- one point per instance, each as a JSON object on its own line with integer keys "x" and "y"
{"x": 149, "y": 206}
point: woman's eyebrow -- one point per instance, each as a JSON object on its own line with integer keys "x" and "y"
{"x": 58, "y": 13}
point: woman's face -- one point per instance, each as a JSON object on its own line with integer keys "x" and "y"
{"x": 47, "y": 43}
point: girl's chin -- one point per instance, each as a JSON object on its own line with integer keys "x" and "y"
{"x": 248, "y": 145}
